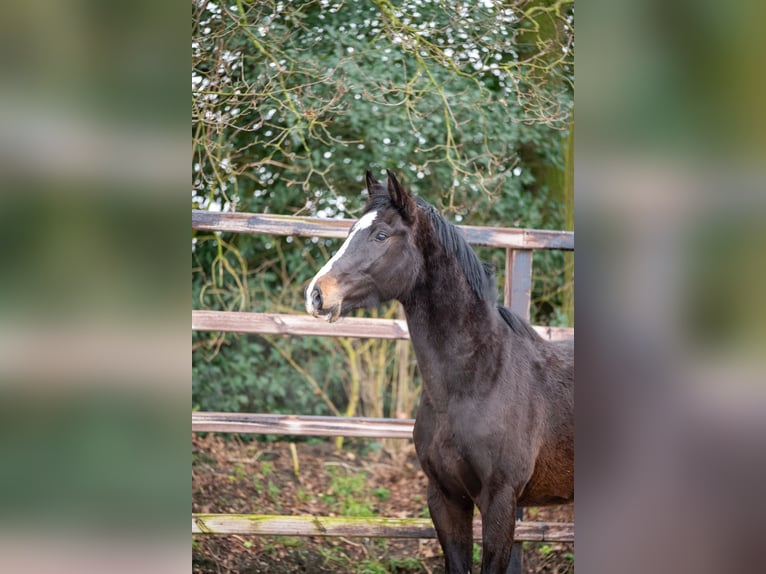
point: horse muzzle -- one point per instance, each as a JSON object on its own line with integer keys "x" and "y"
{"x": 323, "y": 299}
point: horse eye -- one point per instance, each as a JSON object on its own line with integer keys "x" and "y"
{"x": 381, "y": 236}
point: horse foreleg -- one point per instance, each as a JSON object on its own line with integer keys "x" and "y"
{"x": 453, "y": 520}
{"x": 498, "y": 519}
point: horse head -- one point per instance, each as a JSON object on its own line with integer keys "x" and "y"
{"x": 378, "y": 262}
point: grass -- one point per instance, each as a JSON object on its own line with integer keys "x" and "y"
{"x": 238, "y": 472}
{"x": 371, "y": 567}
{"x": 203, "y": 458}
{"x": 263, "y": 483}
{"x": 279, "y": 543}
{"x": 302, "y": 495}
{"x": 476, "y": 554}
{"x": 272, "y": 492}
{"x": 378, "y": 562}
{"x": 407, "y": 564}
{"x": 267, "y": 468}
{"x": 349, "y": 493}
{"x": 335, "y": 557}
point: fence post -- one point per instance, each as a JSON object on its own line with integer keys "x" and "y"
{"x": 518, "y": 281}
{"x": 516, "y": 296}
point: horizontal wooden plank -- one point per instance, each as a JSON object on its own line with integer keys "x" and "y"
{"x": 507, "y": 237}
{"x": 298, "y": 425}
{"x": 518, "y": 238}
{"x": 270, "y": 224}
{"x": 261, "y": 525}
{"x": 286, "y": 324}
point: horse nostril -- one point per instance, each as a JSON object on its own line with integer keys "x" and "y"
{"x": 316, "y": 298}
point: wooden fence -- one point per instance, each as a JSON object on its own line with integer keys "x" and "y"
{"x": 519, "y": 245}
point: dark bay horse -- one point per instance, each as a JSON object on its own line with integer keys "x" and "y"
{"x": 495, "y": 425}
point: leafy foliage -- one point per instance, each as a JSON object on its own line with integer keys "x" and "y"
{"x": 294, "y": 98}
{"x": 251, "y": 376}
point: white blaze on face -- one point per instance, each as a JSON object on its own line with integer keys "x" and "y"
{"x": 364, "y": 222}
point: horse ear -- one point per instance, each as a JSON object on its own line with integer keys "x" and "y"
{"x": 401, "y": 199}
{"x": 373, "y": 184}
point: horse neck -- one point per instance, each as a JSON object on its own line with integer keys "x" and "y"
{"x": 446, "y": 319}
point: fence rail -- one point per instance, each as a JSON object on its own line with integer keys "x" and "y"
{"x": 505, "y": 237}
{"x": 267, "y": 525}
{"x": 285, "y": 324}
{"x": 298, "y": 425}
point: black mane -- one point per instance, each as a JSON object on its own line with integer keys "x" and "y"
{"x": 480, "y": 281}
{"x": 480, "y": 276}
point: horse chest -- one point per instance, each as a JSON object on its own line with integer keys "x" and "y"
{"x": 447, "y": 455}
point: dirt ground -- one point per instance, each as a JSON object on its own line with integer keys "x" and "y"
{"x": 363, "y": 479}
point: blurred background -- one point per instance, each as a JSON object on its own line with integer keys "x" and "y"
{"x": 670, "y": 203}
{"x": 94, "y": 372}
